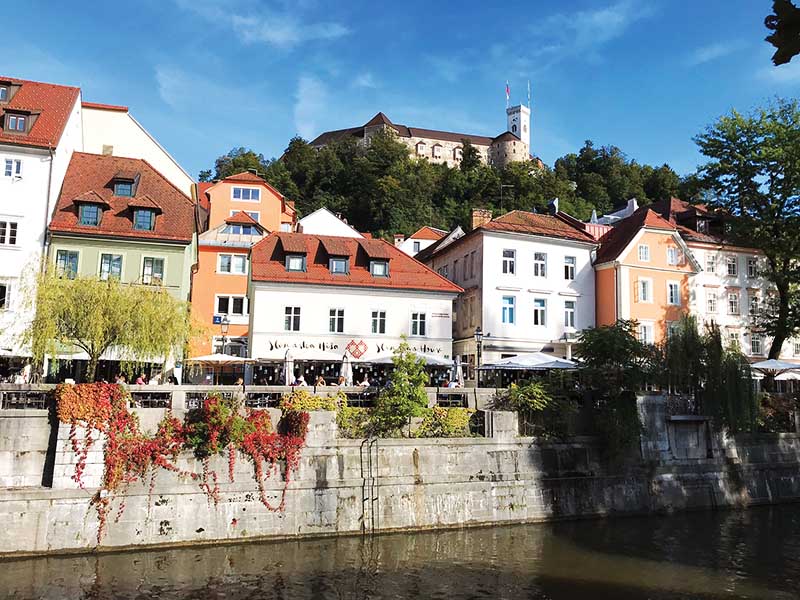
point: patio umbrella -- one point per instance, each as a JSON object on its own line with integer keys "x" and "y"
{"x": 288, "y": 367}
{"x": 430, "y": 360}
{"x": 533, "y": 361}
{"x": 347, "y": 371}
{"x": 775, "y": 367}
{"x": 217, "y": 360}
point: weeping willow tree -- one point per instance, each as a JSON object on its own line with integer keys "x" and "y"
{"x": 138, "y": 323}
{"x": 719, "y": 378}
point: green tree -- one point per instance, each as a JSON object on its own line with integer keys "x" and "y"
{"x": 139, "y": 323}
{"x": 754, "y": 177}
{"x": 612, "y": 357}
{"x": 238, "y": 160}
{"x": 785, "y": 25}
{"x": 405, "y": 397}
{"x": 470, "y": 157}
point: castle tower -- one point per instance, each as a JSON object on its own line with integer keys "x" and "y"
{"x": 519, "y": 123}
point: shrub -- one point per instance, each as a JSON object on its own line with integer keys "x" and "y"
{"x": 303, "y": 400}
{"x": 440, "y": 422}
{"x": 353, "y": 422}
{"x": 405, "y": 397}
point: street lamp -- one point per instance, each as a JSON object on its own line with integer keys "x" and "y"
{"x": 479, "y": 343}
{"x": 224, "y": 325}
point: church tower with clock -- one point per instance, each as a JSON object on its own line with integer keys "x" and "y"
{"x": 519, "y": 122}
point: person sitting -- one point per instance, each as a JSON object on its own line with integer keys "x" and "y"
{"x": 365, "y": 382}
{"x": 141, "y": 379}
{"x": 446, "y": 383}
{"x": 452, "y": 384}
{"x": 320, "y": 381}
{"x": 341, "y": 382}
{"x": 300, "y": 381}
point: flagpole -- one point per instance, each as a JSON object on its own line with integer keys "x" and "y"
{"x": 508, "y": 93}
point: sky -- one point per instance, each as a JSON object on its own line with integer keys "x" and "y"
{"x": 205, "y": 76}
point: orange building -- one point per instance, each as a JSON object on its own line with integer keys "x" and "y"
{"x": 642, "y": 272}
{"x": 240, "y": 210}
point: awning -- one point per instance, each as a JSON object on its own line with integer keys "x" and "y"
{"x": 299, "y": 354}
{"x": 775, "y": 367}
{"x": 218, "y": 360}
{"x": 431, "y": 360}
{"x": 534, "y": 361}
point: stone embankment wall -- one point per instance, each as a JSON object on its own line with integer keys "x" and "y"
{"x": 346, "y": 486}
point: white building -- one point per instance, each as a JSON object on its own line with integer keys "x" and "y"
{"x": 324, "y": 222}
{"x": 330, "y": 296}
{"x": 528, "y": 284}
{"x": 422, "y": 238}
{"x": 40, "y": 127}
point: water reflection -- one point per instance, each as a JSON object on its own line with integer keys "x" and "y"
{"x": 701, "y": 555}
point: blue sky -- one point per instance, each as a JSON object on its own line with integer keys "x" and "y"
{"x": 207, "y": 75}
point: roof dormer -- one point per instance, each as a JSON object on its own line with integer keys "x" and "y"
{"x": 7, "y": 90}
{"x": 90, "y": 208}
{"x": 124, "y": 183}
{"x": 18, "y": 120}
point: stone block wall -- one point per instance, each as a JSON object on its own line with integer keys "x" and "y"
{"x": 24, "y": 441}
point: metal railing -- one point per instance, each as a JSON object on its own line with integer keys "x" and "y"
{"x": 25, "y": 399}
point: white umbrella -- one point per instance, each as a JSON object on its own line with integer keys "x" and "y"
{"x": 430, "y": 360}
{"x": 346, "y": 371}
{"x": 301, "y": 354}
{"x": 218, "y": 360}
{"x": 533, "y": 361}
{"x": 775, "y": 367}
{"x": 288, "y": 367}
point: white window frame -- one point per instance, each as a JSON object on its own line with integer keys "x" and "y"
{"x": 233, "y": 256}
{"x": 436, "y": 151}
{"x": 639, "y": 295}
{"x": 646, "y": 332}
{"x": 751, "y": 299}
{"x": 113, "y": 255}
{"x": 249, "y": 213}
{"x": 241, "y": 187}
{"x": 711, "y": 303}
{"x": 291, "y": 318}
{"x": 732, "y": 261}
{"x": 245, "y": 305}
{"x": 796, "y": 347}
{"x": 378, "y": 317}
{"x": 12, "y": 167}
{"x": 756, "y": 344}
{"x": 421, "y": 147}
{"x": 6, "y": 305}
{"x": 540, "y": 264}
{"x": 163, "y": 260}
{"x": 540, "y": 312}
{"x": 752, "y": 267}
{"x": 711, "y": 263}
{"x": 676, "y": 285}
{"x": 644, "y": 253}
{"x": 419, "y": 324}
{"x": 508, "y": 311}
{"x": 239, "y": 342}
{"x": 738, "y": 310}
{"x": 336, "y": 320}
{"x": 570, "y": 308}
{"x": 673, "y": 256}
{"x": 509, "y": 264}
{"x": 570, "y": 267}
{"x": 7, "y": 227}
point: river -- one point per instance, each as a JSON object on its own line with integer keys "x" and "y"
{"x": 702, "y": 555}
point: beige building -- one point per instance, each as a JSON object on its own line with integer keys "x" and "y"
{"x": 446, "y": 147}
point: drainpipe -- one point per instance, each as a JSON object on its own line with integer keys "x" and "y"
{"x": 46, "y": 238}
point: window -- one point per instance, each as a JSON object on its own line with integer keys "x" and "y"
{"x": 246, "y": 194}
{"x": 4, "y": 299}
{"x": 292, "y": 319}
{"x": 378, "y": 321}
{"x": 466, "y": 261}
{"x": 673, "y": 256}
{"x": 455, "y": 269}
{"x": 540, "y": 311}
{"x": 569, "y": 267}
{"x": 144, "y": 220}
{"x": 645, "y": 288}
{"x": 672, "y": 329}
{"x": 796, "y": 348}
{"x": 8, "y": 233}
{"x": 123, "y": 188}
{"x": 232, "y": 346}
{"x": 711, "y": 263}
{"x": 16, "y": 122}
{"x": 110, "y": 266}
{"x": 673, "y": 293}
{"x": 733, "y": 267}
{"x": 733, "y": 303}
{"x": 569, "y": 313}
{"x": 3, "y": 94}
{"x": 336, "y": 323}
{"x": 702, "y": 226}
{"x": 241, "y": 229}
{"x": 339, "y": 265}
{"x": 67, "y": 263}
{"x": 443, "y": 271}
{"x": 457, "y": 153}
{"x": 539, "y": 264}
{"x": 646, "y": 333}
{"x": 711, "y": 302}
{"x": 472, "y": 264}
{"x": 231, "y": 305}
{"x": 379, "y": 268}
{"x": 418, "y": 324}
{"x": 250, "y": 213}
{"x": 508, "y": 309}
{"x": 509, "y": 258}
{"x": 644, "y": 253}
{"x": 417, "y": 247}
{"x": 152, "y": 271}
{"x": 753, "y": 304}
{"x": 13, "y": 167}
{"x": 421, "y": 147}
{"x": 233, "y": 263}
{"x": 89, "y": 215}
{"x": 756, "y": 346}
{"x": 733, "y": 339}
{"x": 296, "y": 262}
{"x": 752, "y": 268}
{"x": 287, "y": 227}
{"x": 437, "y": 151}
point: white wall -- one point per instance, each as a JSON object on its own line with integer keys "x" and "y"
{"x": 129, "y": 139}
{"x": 267, "y": 310}
{"x": 324, "y": 222}
{"x": 407, "y": 245}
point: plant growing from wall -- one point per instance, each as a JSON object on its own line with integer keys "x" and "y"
{"x": 303, "y": 400}
{"x": 441, "y": 422}
{"x": 405, "y": 397}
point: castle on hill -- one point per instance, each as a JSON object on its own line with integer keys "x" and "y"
{"x": 512, "y": 145}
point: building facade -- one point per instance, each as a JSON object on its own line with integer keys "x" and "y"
{"x": 345, "y": 296}
{"x": 528, "y": 284}
{"x": 446, "y": 147}
{"x": 422, "y": 238}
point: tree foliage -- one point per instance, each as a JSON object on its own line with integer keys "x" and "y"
{"x": 139, "y": 323}
{"x": 754, "y": 176}
{"x": 405, "y": 397}
{"x": 785, "y": 25}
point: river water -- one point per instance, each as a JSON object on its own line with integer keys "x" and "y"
{"x": 708, "y": 555}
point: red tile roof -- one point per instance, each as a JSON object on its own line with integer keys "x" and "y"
{"x": 98, "y": 106}
{"x": 617, "y": 239}
{"x": 202, "y": 194}
{"x": 53, "y": 103}
{"x": 428, "y": 233}
{"x": 94, "y": 173}
{"x": 242, "y": 218}
{"x": 520, "y": 221}
{"x": 144, "y": 201}
{"x": 268, "y": 264}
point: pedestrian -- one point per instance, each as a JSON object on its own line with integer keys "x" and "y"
{"x": 320, "y": 381}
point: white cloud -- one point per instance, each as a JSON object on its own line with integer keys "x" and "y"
{"x": 448, "y": 68}
{"x": 365, "y": 80}
{"x": 282, "y": 27}
{"x": 711, "y": 52}
{"x": 185, "y": 91}
{"x": 311, "y": 101}
{"x": 787, "y": 74}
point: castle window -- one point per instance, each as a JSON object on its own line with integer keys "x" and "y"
{"x": 437, "y": 151}
{"x": 457, "y": 153}
{"x": 421, "y": 147}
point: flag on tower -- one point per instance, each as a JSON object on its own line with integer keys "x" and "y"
{"x": 529, "y": 93}
{"x": 508, "y": 91}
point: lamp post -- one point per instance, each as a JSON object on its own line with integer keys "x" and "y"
{"x": 479, "y": 344}
{"x": 224, "y": 325}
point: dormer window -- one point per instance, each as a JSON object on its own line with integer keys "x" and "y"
{"x": 144, "y": 220}
{"x": 339, "y": 265}
{"x": 458, "y": 153}
{"x": 295, "y": 262}
{"x": 421, "y": 146}
{"x": 3, "y": 93}
{"x": 90, "y": 215}
{"x": 437, "y": 151}
{"x": 123, "y": 188}
{"x": 241, "y": 229}
{"x": 17, "y": 123}
{"x": 379, "y": 268}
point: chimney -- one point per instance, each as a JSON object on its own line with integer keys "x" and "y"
{"x": 399, "y": 238}
{"x": 108, "y": 150}
{"x": 552, "y": 208}
{"x": 480, "y": 216}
